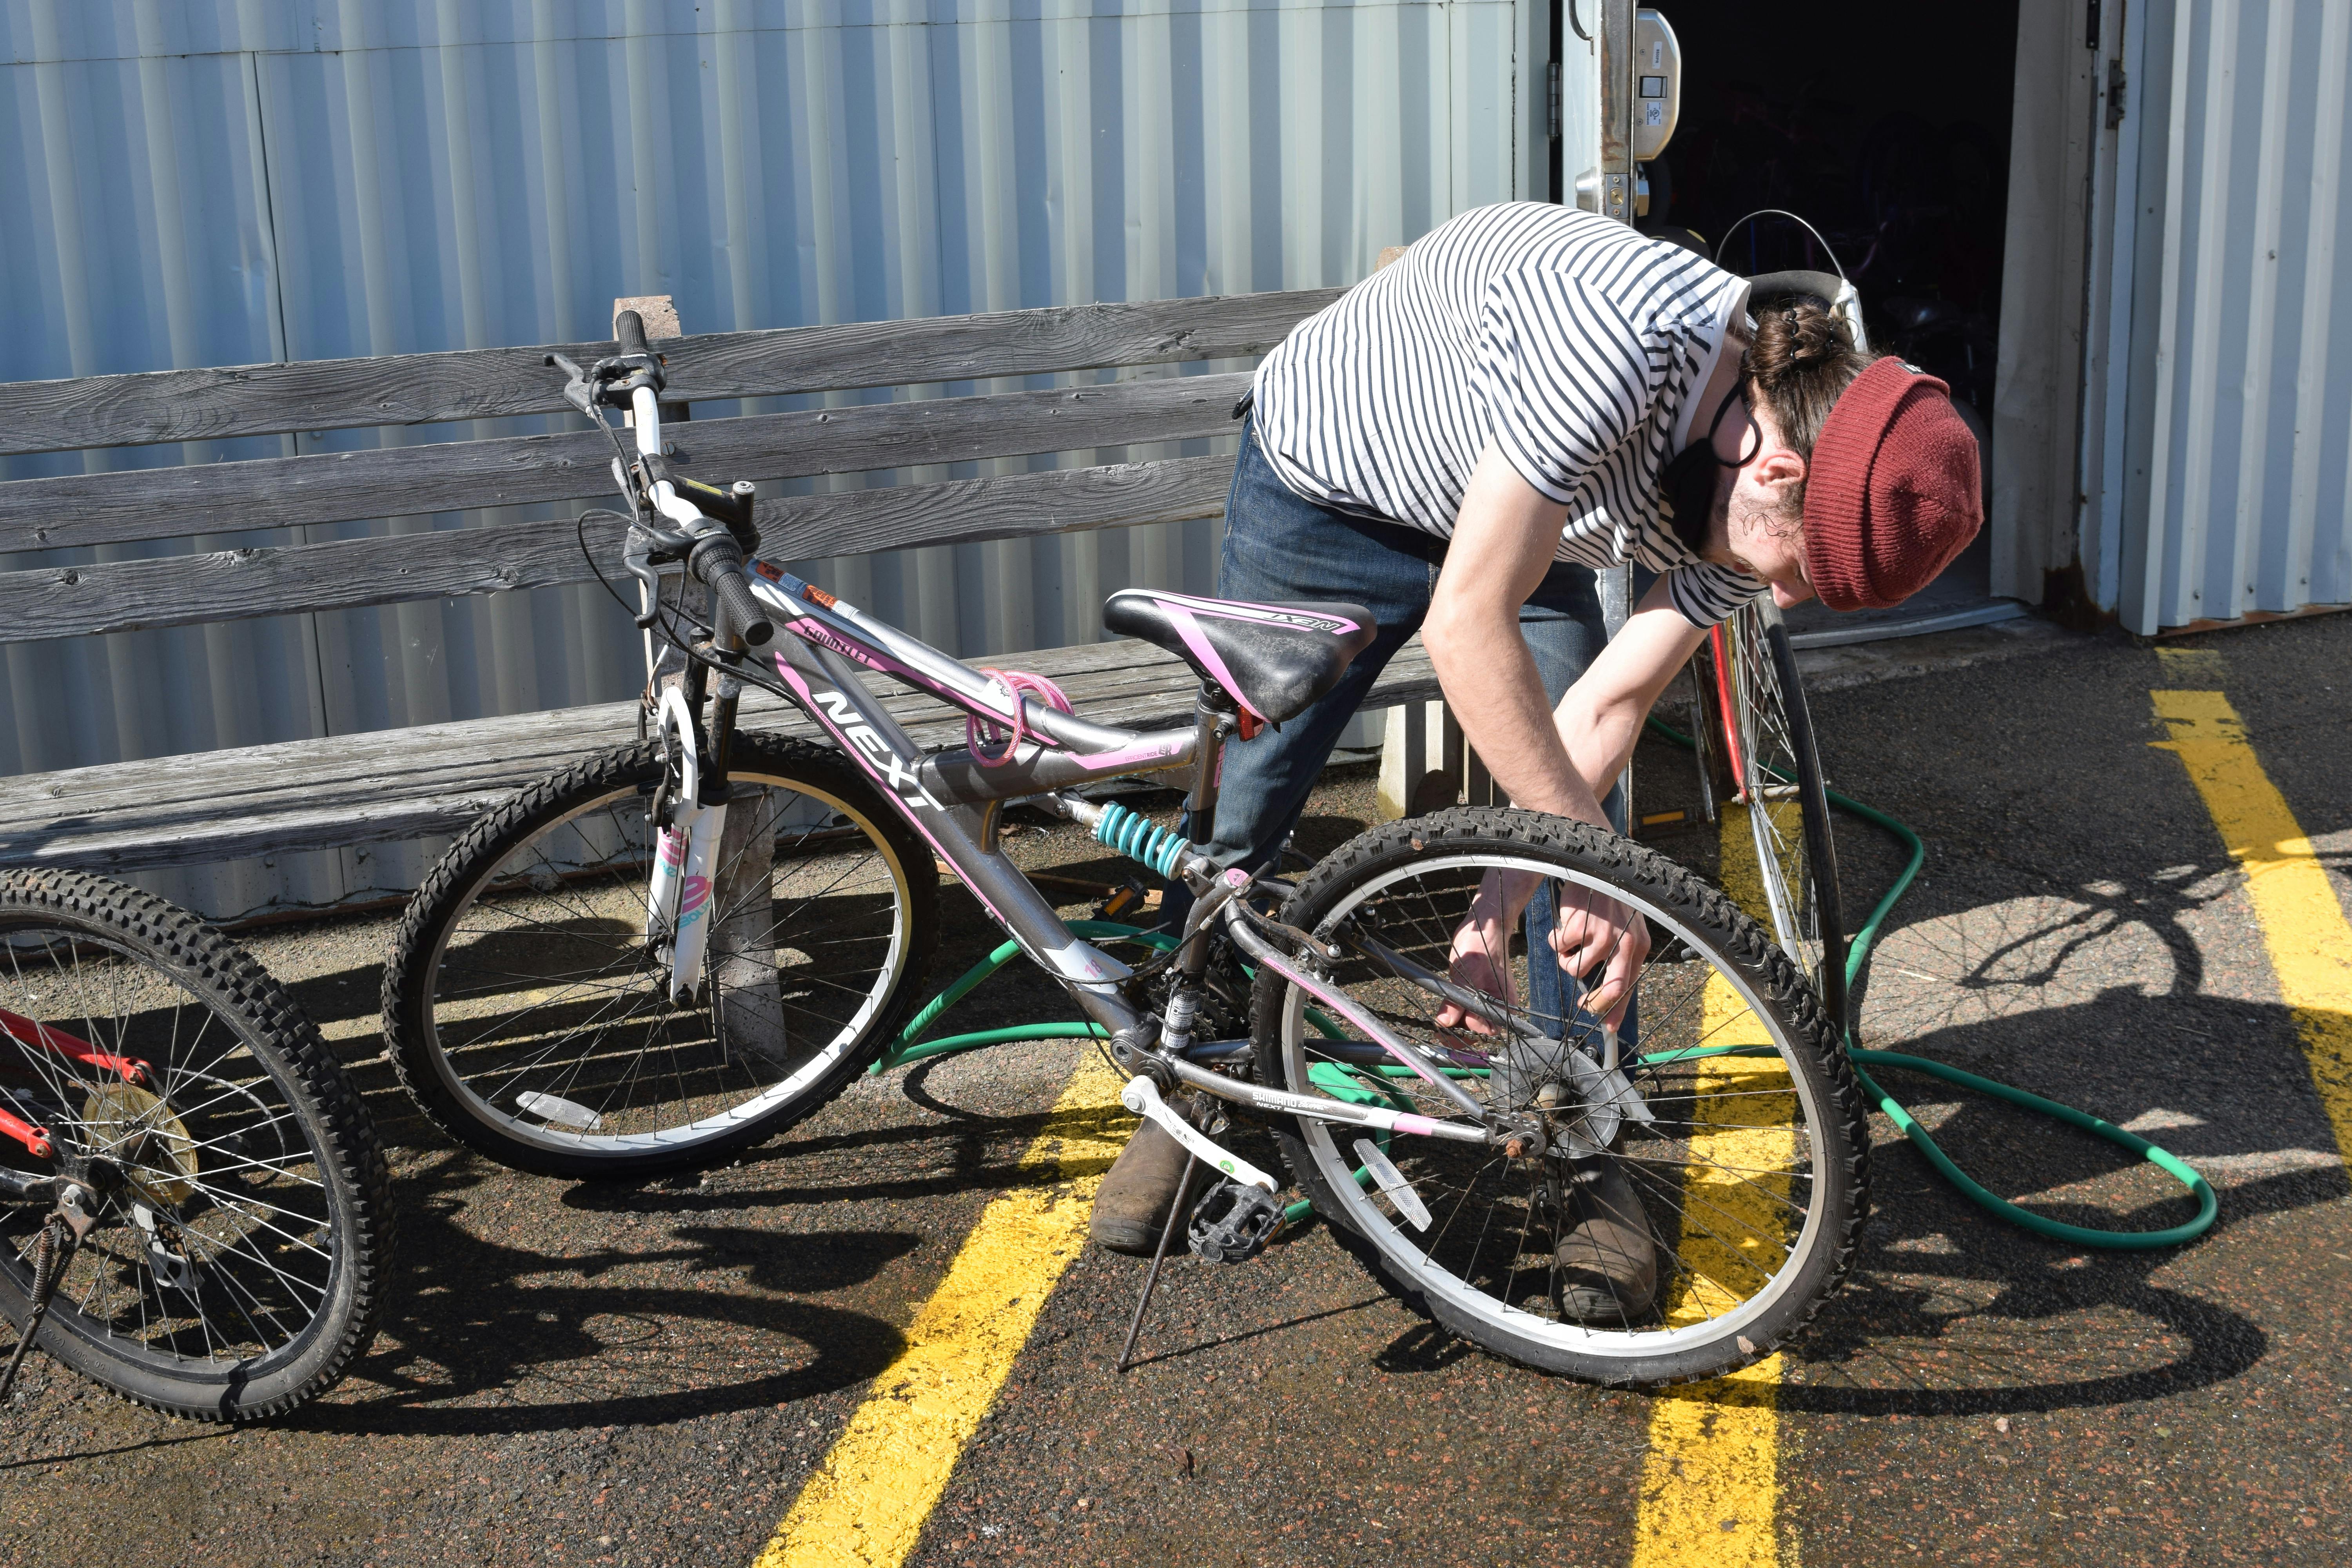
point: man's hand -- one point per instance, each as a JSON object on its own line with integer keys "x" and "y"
{"x": 1481, "y": 956}
{"x": 1603, "y": 943}
{"x": 1597, "y": 940}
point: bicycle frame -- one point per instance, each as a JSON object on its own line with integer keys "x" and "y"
{"x": 952, "y": 800}
{"x": 947, "y": 796}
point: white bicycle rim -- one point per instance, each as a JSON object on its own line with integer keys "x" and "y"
{"x": 1324, "y": 1142}
{"x": 620, "y": 1146}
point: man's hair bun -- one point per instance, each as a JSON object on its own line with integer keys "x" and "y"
{"x": 1803, "y": 356}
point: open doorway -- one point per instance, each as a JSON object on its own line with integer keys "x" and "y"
{"x": 1889, "y": 134}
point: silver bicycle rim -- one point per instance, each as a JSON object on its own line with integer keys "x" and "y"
{"x": 704, "y": 1128}
{"x": 1774, "y": 818}
{"x": 1327, "y": 1145}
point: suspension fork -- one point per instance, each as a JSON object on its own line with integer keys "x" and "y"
{"x": 679, "y": 893}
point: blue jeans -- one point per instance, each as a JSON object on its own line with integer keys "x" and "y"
{"x": 1279, "y": 545}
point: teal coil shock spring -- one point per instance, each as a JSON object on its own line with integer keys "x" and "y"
{"x": 1134, "y": 836}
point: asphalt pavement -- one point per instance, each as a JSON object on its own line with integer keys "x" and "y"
{"x": 650, "y": 1374}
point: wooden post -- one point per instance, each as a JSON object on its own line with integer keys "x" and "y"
{"x": 1420, "y": 765}
{"x": 746, "y": 998}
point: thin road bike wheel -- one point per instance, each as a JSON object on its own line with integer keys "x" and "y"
{"x": 243, "y": 1215}
{"x": 1786, "y": 802}
{"x": 528, "y": 1016}
{"x": 1734, "y": 1122}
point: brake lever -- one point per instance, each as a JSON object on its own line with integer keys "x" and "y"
{"x": 644, "y": 549}
{"x": 576, "y": 390}
{"x": 641, "y": 568}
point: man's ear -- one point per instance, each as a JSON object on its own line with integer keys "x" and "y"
{"x": 1778, "y": 467}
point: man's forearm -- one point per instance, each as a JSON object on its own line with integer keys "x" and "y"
{"x": 1597, "y": 738}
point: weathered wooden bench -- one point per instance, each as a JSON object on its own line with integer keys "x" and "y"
{"x": 375, "y": 787}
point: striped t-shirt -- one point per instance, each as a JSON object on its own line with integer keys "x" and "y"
{"x": 1570, "y": 341}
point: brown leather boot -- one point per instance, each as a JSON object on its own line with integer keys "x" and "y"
{"x": 1132, "y": 1204}
{"x": 1608, "y": 1262}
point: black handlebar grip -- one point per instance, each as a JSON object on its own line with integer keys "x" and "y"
{"x": 737, "y": 606}
{"x": 630, "y": 329}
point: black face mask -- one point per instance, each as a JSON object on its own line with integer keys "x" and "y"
{"x": 1687, "y": 481}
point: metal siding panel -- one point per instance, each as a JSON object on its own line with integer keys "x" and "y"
{"x": 2321, "y": 521}
{"x": 236, "y": 181}
{"x": 2237, "y": 399}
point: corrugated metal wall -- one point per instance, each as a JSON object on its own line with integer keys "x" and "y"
{"x": 220, "y": 182}
{"x": 2218, "y": 435}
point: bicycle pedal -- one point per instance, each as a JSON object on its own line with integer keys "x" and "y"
{"x": 1232, "y": 1221}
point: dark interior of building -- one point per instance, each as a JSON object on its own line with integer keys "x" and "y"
{"x": 1885, "y": 127}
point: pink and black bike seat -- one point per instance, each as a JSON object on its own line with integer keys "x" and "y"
{"x": 1274, "y": 660}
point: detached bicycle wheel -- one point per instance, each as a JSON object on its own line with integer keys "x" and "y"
{"x": 1727, "y": 1151}
{"x": 527, "y": 1012}
{"x": 1786, "y": 802}
{"x": 243, "y": 1217}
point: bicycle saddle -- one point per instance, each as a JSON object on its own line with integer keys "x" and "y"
{"x": 1274, "y": 660}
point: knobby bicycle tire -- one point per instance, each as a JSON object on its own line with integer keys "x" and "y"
{"x": 192, "y": 1163}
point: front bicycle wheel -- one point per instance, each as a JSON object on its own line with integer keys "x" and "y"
{"x": 242, "y": 1206}
{"x": 528, "y": 1016}
{"x": 1786, "y": 801}
{"x": 1731, "y": 1129}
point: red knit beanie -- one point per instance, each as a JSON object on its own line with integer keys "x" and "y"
{"x": 1894, "y": 491}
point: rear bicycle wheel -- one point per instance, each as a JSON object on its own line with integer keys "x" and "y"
{"x": 243, "y": 1209}
{"x": 1736, "y": 1124}
{"x": 527, "y": 1012}
{"x": 1786, "y": 802}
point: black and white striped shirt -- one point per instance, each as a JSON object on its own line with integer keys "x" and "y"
{"x": 1570, "y": 341}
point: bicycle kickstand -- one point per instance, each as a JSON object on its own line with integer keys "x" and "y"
{"x": 61, "y": 1235}
{"x": 1176, "y": 1213}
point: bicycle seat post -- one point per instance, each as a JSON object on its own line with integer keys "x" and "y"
{"x": 1211, "y": 720}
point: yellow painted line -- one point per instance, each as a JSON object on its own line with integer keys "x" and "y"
{"x": 1710, "y": 1490}
{"x": 866, "y": 1505}
{"x": 2303, "y": 923}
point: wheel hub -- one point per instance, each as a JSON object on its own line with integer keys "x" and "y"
{"x": 137, "y": 1129}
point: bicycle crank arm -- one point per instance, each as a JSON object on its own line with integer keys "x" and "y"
{"x": 1378, "y": 1117}
{"x": 1141, "y": 1097}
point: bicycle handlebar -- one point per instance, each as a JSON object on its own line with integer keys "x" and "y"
{"x": 629, "y": 331}
{"x": 718, "y": 564}
{"x": 634, "y": 378}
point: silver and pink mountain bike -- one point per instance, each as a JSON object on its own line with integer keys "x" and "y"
{"x": 666, "y": 953}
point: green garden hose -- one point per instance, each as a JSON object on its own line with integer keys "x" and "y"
{"x": 910, "y": 1046}
{"x": 1858, "y": 953}
{"x": 906, "y": 1049}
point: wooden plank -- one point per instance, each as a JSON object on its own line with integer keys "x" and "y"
{"x": 404, "y": 783}
{"x": 77, "y": 510}
{"x": 239, "y": 585}
{"x": 487, "y": 383}
{"x": 390, "y": 569}
{"x": 1010, "y": 506}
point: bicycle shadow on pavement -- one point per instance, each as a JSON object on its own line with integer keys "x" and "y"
{"x": 487, "y": 1337}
